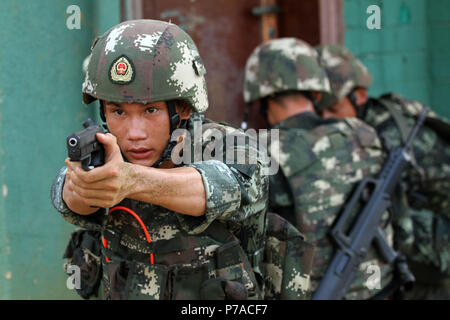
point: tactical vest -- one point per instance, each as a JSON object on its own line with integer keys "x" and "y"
{"x": 285, "y": 267}
{"x": 322, "y": 167}
{"x": 210, "y": 265}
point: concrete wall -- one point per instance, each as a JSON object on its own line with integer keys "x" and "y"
{"x": 40, "y": 104}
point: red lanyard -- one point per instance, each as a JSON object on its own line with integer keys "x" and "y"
{"x": 105, "y": 244}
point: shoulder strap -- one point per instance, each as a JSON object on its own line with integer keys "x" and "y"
{"x": 439, "y": 124}
{"x": 398, "y": 117}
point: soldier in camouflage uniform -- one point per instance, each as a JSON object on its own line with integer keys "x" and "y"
{"x": 424, "y": 232}
{"x": 185, "y": 231}
{"x": 320, "y": 161}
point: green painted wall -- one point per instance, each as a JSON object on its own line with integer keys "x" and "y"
{"x": 439, "y": 54}
{"x": 410, "y": 54}
{"x": 40, "y": 104}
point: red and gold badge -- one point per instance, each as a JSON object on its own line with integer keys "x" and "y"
{"x": 122, "y": 71}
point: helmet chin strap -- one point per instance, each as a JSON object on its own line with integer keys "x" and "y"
{"x": 310, "y": 97}
{"x": 102, "y": 111}
{"x": 359, "y": 109}
{"x": 263, "y": 110}
{"x": 174, "y": 120}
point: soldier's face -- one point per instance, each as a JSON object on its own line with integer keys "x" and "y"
{"x": 142, "y": 131}
{"x": 342, "y": 109}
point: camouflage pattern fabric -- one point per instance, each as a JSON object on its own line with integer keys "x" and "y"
{"x": 143, "y": 61}
{"x": 287, "y": 261}
{"x": 431, "y": 149}
{"x": 430, "y": 252}
{"x": 281, "y": 65}
{"x": 321, "y": 161}
{"x": 345, "y": 72}
{"x": 430, "y": 255}
{"x": 188, "y": 251}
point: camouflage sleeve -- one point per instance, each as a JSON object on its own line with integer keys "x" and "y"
{"x": 92, "y": 221}
{"x": 233, "y": 192}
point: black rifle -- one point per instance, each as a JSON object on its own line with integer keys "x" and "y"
{"x": 352, "y": 246}
{"x": 83, "y": 146}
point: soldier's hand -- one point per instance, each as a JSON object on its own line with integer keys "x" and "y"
{"x": 103, "y": 186}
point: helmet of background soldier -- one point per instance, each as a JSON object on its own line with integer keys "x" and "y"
{"x": 285, "y": 64}
{"x": 345, "y": 71}
{"x": 143, "y": 61}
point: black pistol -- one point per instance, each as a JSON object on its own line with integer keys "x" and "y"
{"x": 83, "y": 146}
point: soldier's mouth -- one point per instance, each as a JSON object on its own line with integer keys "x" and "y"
{"x": 140, "y": 153}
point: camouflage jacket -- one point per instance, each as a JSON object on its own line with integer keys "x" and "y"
{"x": 195, "y": 257}
{"x": 321, "y": 161}
{"x": 427, "y": 183}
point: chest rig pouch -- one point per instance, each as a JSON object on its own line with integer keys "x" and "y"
{"x": 83, "y": 254}
{"x": 211, "y": 265}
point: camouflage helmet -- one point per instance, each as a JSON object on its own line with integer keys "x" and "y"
{"x": 345, "y": 71}
{"x": 280, "y": 65}
{"x": 143, "y": 61}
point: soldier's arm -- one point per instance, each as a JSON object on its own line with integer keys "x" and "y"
{"x": 72, "y": 199}
{"x": 178, "y": 189}
{"x": 93, "y": 221}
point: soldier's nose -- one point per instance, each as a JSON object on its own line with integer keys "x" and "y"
{"x": 136, "y": 130}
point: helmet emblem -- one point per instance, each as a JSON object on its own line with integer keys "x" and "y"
{"x": 122, "y": 71}
{"x": 121, "y": 68}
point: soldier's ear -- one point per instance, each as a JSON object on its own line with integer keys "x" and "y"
{"x": 361, "y": 96}
{"x": 183, "y": 109}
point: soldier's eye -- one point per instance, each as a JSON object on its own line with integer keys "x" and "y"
{"x": 151, "y": 110}
{"x": 118, "y": 112}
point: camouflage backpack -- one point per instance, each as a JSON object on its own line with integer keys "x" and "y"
{"x": 427, "y": 182}
{"x": 393, "y": 116}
